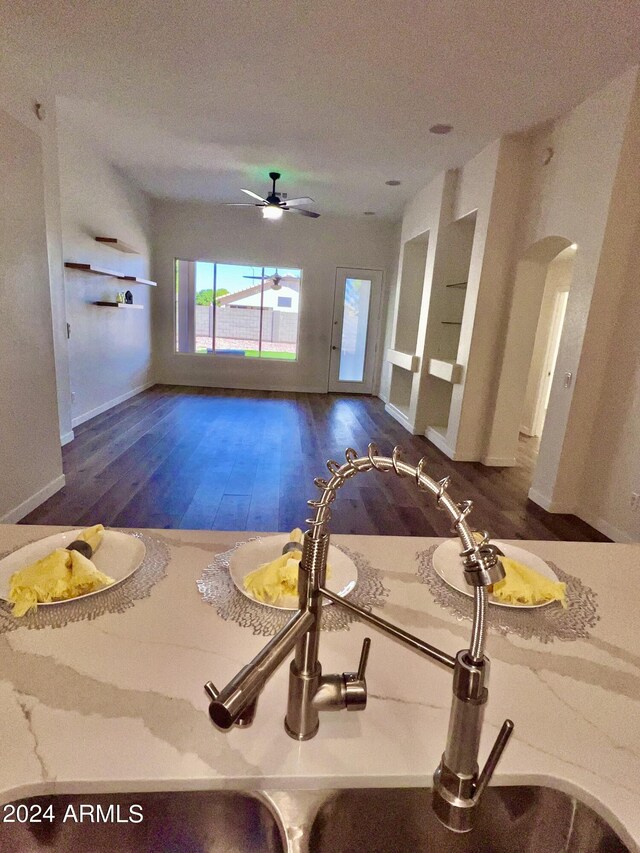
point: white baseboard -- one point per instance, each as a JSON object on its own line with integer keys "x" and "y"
{"x": 605, "y": 527}
{"x": 437, "y": 437}
{"x": 34, "y": 501}
{"x": 106, "y": 406}
{"x": 243, "y": 386}
{"x": 601, "y": 524}
{"x": 399, "y": 416}
{"x": 66, "y": 437}
{"x": 547, "y": 503}
{"x": 499, "y": 461}
{"x": 383, "y": 397}
{"x": 440, "y": 441}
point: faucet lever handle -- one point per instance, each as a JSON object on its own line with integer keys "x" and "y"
{"x": 211, "y": 691}
{"x": 364, "y": 658}
{"x": 494, "y": 757}
{"x": 355, "y": 685}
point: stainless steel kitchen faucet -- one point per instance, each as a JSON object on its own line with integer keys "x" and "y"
{"x": 458, "y": 784}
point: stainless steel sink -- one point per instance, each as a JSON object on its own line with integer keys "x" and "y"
{"x": 184, "y": 822}
{"x": 376, "y": 820}
{"x": 510, "y": 820}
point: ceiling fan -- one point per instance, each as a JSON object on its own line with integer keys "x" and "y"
{"x": 276, "y": 279}
{"x": 273, "y": 205}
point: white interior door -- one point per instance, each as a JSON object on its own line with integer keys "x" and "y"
{"x": 356, "y": 324}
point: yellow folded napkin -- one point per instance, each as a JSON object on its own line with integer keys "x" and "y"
{"x": 93, "y": 536}
{"x": 522, "y": 585}
{"x": 270, "y": 581}
{"x": 58, "y": 576}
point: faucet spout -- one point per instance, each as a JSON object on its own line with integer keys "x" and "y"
{"x": 458, "y": 785}
{"x": 231, "y": 703}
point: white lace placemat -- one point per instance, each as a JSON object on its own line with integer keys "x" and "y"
{"x": 218, "y": 589}
{"x": 542, "y": 623}
{"x": 117, "y": 600}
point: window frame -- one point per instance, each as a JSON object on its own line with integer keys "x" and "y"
{"x": 191, "y": 302}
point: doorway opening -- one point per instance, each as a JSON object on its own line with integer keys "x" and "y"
{"x": 530, "y": 365}
{"x": 544, "y": 356}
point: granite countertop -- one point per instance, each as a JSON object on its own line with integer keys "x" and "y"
{"x": 117, "y": 704}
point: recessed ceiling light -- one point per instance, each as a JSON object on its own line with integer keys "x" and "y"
{"x": 369, "y": 213}
{"x": 441, "y": 129}
{"x": 393, "y": 183}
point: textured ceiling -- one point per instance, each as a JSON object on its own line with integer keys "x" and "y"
{"x": 196, "y": 99}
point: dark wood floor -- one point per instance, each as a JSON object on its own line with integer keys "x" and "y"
{"x": 242, "y": 460}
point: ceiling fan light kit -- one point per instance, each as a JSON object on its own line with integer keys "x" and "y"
{"x": 271, "y": 211}
{"x": 274, "y": 205}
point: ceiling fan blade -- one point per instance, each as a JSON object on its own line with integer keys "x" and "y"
{"x": 303, "y": 211}
{"x": 241, "y": 204}
{"x": 258, "y": 277}
{"x": 254, "y": 195}
{"x": 296, "y": 202}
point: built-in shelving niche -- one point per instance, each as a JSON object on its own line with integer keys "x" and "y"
{"x": 446, "y": 315}
{"x": 414, "y": 260}
{"x": 400, "y": 391}
{"x": 402, "y": 354}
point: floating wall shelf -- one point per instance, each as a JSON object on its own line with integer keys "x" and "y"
{"x": 135, "y": 280}
{"x": 460, "y": 284}
{"x": 118, "y": 305}
{"x": 72, "y": 265}
{"x": 119, "y": 245}
{"x": 403, "y": 359}
{"x": 446, "y": 369}
{"x": 452, "y": 322}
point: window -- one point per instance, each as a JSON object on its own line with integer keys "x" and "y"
{"x": 236, "y": 309}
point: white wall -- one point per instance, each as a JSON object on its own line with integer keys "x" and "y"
{"x": 572, "y": 197}
{"x": 613, "y": 467}
{"x": 196, "y": 231}
{"x": 30, "y": 459}
{"x": 110, "y": 349}
{"x": 609, "y": 394}
{"x": 19, "y": 92}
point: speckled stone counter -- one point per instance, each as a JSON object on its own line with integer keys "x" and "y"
{"x": 117, "y": 704}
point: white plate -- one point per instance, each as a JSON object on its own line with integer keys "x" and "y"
{"x": 118, "y": 556}
{"x": 448, "y": 564}
{"x": 248, "y": 556}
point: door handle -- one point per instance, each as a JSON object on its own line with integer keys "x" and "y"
{"x": 334, "y": 347}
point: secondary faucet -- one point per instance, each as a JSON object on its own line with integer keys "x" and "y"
{"x": 458, "y": 783}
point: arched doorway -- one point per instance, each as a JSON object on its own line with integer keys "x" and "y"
{"x": 547, "y": 342}
{"x": 536, "y": 317}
